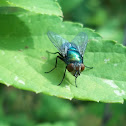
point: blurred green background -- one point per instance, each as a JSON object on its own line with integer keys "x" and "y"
{"x": 107, "y": 17}
{"x": 23, "y": 108}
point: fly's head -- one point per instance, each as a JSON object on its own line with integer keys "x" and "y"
{"x": 75, "y": 68}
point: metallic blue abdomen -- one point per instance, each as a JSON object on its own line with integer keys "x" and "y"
{"x": 73, "y": 56}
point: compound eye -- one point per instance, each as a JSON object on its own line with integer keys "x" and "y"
{"x": 70, "y": 67}
{"x": 82, "y": 67}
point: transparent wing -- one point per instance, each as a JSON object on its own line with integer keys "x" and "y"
{"x": 81, "y": 41}
{"x": 60, "y": 43}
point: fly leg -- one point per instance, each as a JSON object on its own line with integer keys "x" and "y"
{"x": 51, "y": 52}
{"x": 76, "y": 77}
{"x": 55, "y": 64}
{"x": 63, "y": 77}
{"x": 75, "y": 81}
{"x": 54, "y": 53}
{"x": 89, "y": 67}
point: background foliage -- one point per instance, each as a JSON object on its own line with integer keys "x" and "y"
{"x": 25, "y": 108}
{"x": 106, "y": 16}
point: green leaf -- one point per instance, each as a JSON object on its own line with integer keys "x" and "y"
{"x": 24, "y": 60}
{"x": 50, "y": 7}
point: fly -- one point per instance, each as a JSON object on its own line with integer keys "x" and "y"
{"x": 70, "y": 52}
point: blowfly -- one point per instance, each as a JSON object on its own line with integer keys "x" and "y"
{"x": 70, "y": 52}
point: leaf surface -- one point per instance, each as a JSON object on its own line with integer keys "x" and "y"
{"x": 50, "y": 7}
{"x": 24, "y": 60}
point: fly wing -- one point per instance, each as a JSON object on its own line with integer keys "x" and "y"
{"x": 81, "y": 41}
{"x": 59, "y": 42}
